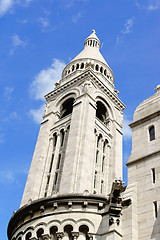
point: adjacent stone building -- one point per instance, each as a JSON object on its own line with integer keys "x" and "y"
{"x": 74, "y": 188}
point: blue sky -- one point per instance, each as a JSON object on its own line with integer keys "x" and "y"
{"x": 38, "y": 37}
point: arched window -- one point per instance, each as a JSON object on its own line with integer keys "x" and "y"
{"x": 40, "y": 233}
{"x": 54, "y": 140}
{"x": 105, "y": 72}
{"x": 62, "y": 137}
{"x": 53, "y": 231}
{"x": 67, "y": 107}
{"x": 101, "y": 69}
{"x": 77, "y": 66}
{"x": 101, "y": 112}
{"x": 97, "y": 67}
{"x": 82, "y": 65}
{"x": 28, "y": 236}
{"x": 83, "y": 229}
{"x": 72, "y": 68}
{"x": 152, "y": 133}
{"x": 68, "y": 232}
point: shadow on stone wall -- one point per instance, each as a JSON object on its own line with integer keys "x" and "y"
{"x": 156, "y": 227}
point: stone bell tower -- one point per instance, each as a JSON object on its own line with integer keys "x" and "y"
{"x": 77, "y": 156}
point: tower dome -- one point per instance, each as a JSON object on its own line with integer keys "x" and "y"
{"x": 90, "y": 56}
{"x": 91, "y": 49}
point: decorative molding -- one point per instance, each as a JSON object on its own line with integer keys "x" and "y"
{"x": 90, "y": 76}
{"x": 145, "y": 119}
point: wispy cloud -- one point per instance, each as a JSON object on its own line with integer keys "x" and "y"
{"x": 17, "y": 41}
{"x": 28, "y": 1}
{"x": 37, "y": 114}
{"x": 70, "y": 3}
{"x": 8, "y": 92}
{"x": 128, "y": 26}
{"x": 7, "y": 176}
{"x": 127, "y": 29}
{"x": 11, "y": 116}
{"x": 127, "y": 132}
{"x": 24, "y": 21}
{"x": 5, "y": 6}
{"x": 44, "y": 22}
{"x": 76, "y": 17}
{"x": 150, "y": 5}
{"x": 44, "y": 81}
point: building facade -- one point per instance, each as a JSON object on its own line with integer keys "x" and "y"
{"x": 74, "y": 188}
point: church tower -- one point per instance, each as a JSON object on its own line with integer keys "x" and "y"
{"x": 144, "y": 172}
{"x": 78, "y": 155}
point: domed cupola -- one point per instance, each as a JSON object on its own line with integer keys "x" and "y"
{"x": 90, "y": 56}
{"x": 92, "y": 41}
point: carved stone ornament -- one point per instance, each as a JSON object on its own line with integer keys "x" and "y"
{"x": 87, "y": 87}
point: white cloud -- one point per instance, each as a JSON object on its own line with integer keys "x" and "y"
{"x": 37, "y": 114}
{"x": 44, "y": 22}
{"x": 7, "y": 176}
{"x": 76, "y": 17}
{"x": 151, "y": 5}
{"x": 128, "y": 26}
{"x": 17, "y": 41}
{"x": 44, "y": 81}
{"x": 127, "y": 132}
{"x": 5, "y": 6}
{"x": 126, "y": 30}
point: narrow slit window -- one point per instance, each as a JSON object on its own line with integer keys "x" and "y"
{"x": 50, "y": 169}
{"x": 152, "y": 133}
{"x": 95, "y": 180}
{"x": 101, "y": 186}
{"x": 62, "y": 138}
{"x": 153, "y": 175}
{"x": 55, "y": 180}
{"x": 103, "y": 163}
{"x": 155, "y": 209}
{"x": 59, "y": 160}
{"x": 54, "y": 140}
{"x": 97, "y": 156}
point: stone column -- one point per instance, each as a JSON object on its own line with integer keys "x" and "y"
{"x": 47, "y": 166}
{"x": 95, "y": 163}
{"x": 90, "y": 236}
{"x": 109, "y": 169}
{"x": 60, "y": 235}
{"x": 75, "y": 235}
{"x": 54, "y": 166}
{"x": 99, "y": 165}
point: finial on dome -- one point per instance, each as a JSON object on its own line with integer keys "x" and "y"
{"x": 92, "y": 41}
{"x": 157, "y": 89}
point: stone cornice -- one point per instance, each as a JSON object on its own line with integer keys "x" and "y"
{"x": 90, "y": 75}
{"x": 143, "y": 158}
{"x": 145, "y": 119}
{"x": 40, "y": 206}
